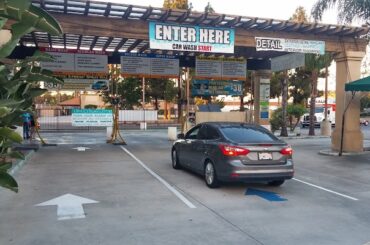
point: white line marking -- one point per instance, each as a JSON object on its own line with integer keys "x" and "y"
{"x": 165, "y": 183}
{"x": 324, "y": 189}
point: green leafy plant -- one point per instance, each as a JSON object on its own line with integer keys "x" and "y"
{"x": 19, "y": 83}
{"x": 295, "y": 111}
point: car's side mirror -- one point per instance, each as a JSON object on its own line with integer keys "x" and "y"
{"x": 181, "y": 136}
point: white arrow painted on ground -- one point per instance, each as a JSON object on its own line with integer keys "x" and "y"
{"x": 80, "y": 148}
{"x": 69, "y": 206}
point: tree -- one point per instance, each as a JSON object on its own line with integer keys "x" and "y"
{"x": 130, "y": 90}
{"x": 300, "y": 86}
{"x": 347, "y": 9}
{"x": 156, "y": 89}
{"x": 162, "y": 89}
{"x": 176, "y": 4}
{"x": 169, "y": 96}
{"x": 300, "y": 15}
{"x": 279, "y": 86}
{"x": 313, "y": 64}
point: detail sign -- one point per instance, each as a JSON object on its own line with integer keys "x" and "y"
{"x": 214, "y": 88}
{"x": 90, "y": 117}
{"x": 220, "y": 68}
{"x": 149, "y": 65}
{"x": 290, "y": 45}
{"x": 191, "y": 38}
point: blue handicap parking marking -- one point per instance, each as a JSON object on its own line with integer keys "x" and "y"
{"x": 268, "y": 195}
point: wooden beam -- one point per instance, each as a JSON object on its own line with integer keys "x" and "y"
{"x": 147, "y": 14}
{"x": 127, "y": 12}
{"x": 133, "y": 46}
{"x": 217, "y": 20}
{"x": 65, "y": 40}
{"x": 143, "y": 48}
{"x": 42, "y": 4}
{"x": 250, "y": 23}
{"x": 87, "y": 7}
{"x": 200, "y": 19}
{"x": 34, "y": 39}
{"x": 65, "y": 6}
{"x": 94, "y": 42}
{"x": 184, "y": 16}
{"x": 165, "y": 16}
{"x": 233, "y": 22}
{"x": 107, "y": 10}
{"x": 79, "y": 42}
{"x": 121, "y": 43}
{"x": 106, "y": 45}
{"x": 50, "y": 41}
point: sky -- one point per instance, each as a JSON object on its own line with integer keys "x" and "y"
{"x": 253, "y": 8}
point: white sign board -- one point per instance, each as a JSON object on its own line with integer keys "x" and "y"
{"x": 64, "y": 61}
{"x": 287, "y": 62}
{"x": 220, "y": 68}
{"x": 77, "y": 64}
{"x": 290, "y": 45}
{"x": 90, "y": 117}
{"x": 150, "y": 65}
{"x": 135, "y": 65}
{"x": 91, "y": 63}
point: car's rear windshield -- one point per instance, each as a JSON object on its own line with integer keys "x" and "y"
{"x": 245, "y": 134}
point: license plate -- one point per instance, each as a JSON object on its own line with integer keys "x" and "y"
{"x": 264, "y": 156}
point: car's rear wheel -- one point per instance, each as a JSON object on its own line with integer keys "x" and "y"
{"x": 276, "y": 182}
{"x": 210, "y": 175}
{"x": 175, "y": 160}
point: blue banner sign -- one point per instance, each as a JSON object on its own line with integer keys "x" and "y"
{"x": 216, "y": 87}
{"x": 191, "y": 38}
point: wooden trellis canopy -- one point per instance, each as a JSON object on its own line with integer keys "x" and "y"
{"x": 124, "y": 28}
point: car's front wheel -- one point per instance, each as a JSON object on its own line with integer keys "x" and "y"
{"x": 276, "y": 182}
{"x": 210, "y": 175}
{"x": 175, "y": 160}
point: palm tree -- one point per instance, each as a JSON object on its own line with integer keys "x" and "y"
{"x": 313, "y": 64}
{"x": 347, "y": 9}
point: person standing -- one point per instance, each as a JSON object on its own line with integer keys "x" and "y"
{"x": 26, "y": 125}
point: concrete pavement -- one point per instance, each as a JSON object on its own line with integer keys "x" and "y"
{"x": 136, "y": 208}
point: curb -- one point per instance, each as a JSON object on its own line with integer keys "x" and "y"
{"x": 19, "y": 164}
{"x": 303, "y": 137}
{"x": 335, "y": 153}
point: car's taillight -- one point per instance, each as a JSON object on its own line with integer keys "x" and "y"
{"x": 233, "y": 151}
{"x": 288, "y": 151}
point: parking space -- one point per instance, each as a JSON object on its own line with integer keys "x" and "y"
{"x": 135, "y": 188}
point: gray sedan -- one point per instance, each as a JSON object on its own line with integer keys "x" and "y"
{"x": 223, "y": 151}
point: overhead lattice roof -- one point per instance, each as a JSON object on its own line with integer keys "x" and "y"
{"x": 132, "y": 12}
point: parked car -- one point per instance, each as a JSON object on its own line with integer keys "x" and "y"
{"x": 224, "y": 151}
{"x": 99, "y": 85}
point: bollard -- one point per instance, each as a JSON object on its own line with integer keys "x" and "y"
{"x": 109, "y": 132}
{"x": 143, "y": 125}
{"x": 172, "y": 133}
